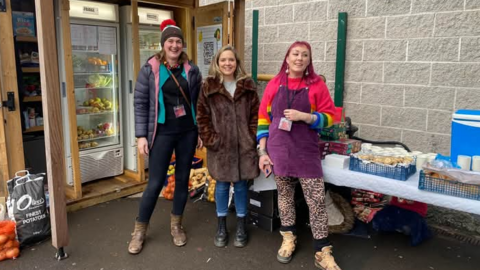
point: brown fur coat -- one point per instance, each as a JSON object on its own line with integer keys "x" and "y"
{"x": 228, "y": 128}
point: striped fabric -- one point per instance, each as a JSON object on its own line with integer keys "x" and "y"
{"x": 321, "y": 105}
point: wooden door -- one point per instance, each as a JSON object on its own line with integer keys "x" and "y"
{"x": 11, "y": 140}
{"x": 213, "y": 29}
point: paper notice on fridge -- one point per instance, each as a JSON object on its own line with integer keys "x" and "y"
{"x": 107, "y": 40}
{"x": 90, "y": 35}
{"x": 78, "y": 35}
{"x": 209, "y": 41}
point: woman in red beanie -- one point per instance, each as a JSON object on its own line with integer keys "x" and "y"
{"x": 165, "y": 101}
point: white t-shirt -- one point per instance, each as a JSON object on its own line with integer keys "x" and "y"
{"x": 231, "y": 87}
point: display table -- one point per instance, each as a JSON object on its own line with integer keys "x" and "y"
{"x": 403, "y": 189}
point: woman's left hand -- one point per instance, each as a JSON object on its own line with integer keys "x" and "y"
{"x": 199, "y": 143}
{"x": 294, "y": 115}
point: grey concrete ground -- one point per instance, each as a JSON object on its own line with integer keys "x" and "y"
{"x": 99, "y": 237}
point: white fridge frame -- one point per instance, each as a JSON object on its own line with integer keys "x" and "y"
{"x": 64, "y": 103}
{"x": 130, "y": 149}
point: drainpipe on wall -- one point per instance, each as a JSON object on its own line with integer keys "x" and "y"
{"x": 255, "y": 46}
{"x": 340, "y": 65}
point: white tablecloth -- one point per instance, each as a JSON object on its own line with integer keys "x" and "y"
{"x": 404, "y": 189}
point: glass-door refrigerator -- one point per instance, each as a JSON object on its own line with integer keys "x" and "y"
{"x": 95, "y": 40}
{"x": 149, "y": 40}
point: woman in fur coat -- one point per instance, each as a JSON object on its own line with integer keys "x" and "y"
{"x": 227, "y": 116}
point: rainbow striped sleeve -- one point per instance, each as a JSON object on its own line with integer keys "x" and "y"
{"x": 265, "y": 111}
{"x": 322, "y": 106}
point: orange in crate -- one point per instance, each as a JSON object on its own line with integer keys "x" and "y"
{"x": 9, "y": 246}
{"x": 170, "y": 188}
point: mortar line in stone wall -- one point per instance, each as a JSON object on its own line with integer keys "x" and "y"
{"x": 425, "y": 132}
{"x": 411, "y": 6}
{"x": 370, "y": 125}
{"x": 455, "y": 100}
{"x": 324, "y": 51}
{"x": 383, "y": 72}
{"x": 416, "y": 62}
{"x": 431, "y": 72}
{"x": 309, "y": 25}
{"x": 381, "y": 111}
{"x": 406, "y": 52}
{"x": 405, "y": 107}
{"x": 366, "y": 8}
{"x": 328, "y": 2}
{"x": 363, "y": 50}
{"x": 361, "y": 92}
{"x": 459, "y": 48}
{"x": 404, "y": 97}
{"x": 386, "y": 26}
{"x": 423, "y": 13}
{"x": 293, "y": 13}
{"x": 434, "y": 24}
{"x": 409, "y": 38}
{"x": 426, "y": 122}
{"x": 400, "y": 107}
{"x": 464, "y": 4}
{"x": 416, "y": 85}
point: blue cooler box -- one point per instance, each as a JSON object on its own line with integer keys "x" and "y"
{"x": 465, "y": 134}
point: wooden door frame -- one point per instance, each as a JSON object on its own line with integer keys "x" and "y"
{"x": 4, "y": 171}
{"x": 225, "y": 28}
{"x": 52, "y": 110}
{"x": 76, "y": 191}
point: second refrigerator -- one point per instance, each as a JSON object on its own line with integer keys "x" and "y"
{"x": 149, "y": 41}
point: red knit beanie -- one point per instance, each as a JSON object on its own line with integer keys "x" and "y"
{"x": 170, "y": 29}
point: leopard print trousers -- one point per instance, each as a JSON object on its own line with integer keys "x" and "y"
{"x": 314, "y": 193}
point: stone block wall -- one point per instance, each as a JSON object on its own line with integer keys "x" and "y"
{"x": 410, "y": 63}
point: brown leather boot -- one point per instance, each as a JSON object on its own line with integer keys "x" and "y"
{"x": 177, "y": 231}
{"x": 138, "y": 237}
{"x": 324, "y": 259}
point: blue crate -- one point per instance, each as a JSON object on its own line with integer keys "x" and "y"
{"x": 398, "y": 173}
{"x": 448, "y": 187}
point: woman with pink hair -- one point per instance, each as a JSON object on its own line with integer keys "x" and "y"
{"x": 296, "y": 104}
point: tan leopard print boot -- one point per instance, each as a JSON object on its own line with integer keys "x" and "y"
{"x": 285, "y": 252}
{"x": 324, "y": 259}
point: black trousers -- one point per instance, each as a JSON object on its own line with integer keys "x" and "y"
{"x": 184, "y": 145}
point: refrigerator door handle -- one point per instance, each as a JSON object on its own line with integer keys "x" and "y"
{"x": 130, "y": 85}
{"x": 64, "y": 90}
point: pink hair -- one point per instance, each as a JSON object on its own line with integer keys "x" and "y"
{"x": 312, "y": 77}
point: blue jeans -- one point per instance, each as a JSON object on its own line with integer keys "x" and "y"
{"x": 240, "y": 195}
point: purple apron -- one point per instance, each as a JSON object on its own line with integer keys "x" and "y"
{"x": 294, "y": 153}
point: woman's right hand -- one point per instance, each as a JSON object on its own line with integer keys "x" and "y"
{"x": 265, "y": 164}
{"x": 142, "y": 145}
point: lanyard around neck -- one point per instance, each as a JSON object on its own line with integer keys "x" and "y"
{"x": 294, "y": 92}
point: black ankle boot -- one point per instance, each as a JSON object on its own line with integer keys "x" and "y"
{"x": 221, "y": 238}
{"x": 241, "y": 237}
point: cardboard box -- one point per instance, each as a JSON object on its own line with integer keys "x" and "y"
{"x": 337, "y": 161}
{"x": 263, "y": 202}
{"x": 346, "y": 144}
{"x": 323, "y": 145}
{"x": 335, "y": 132}
{"x": 23, "y": 23}
{"x": 267, "y": 223}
